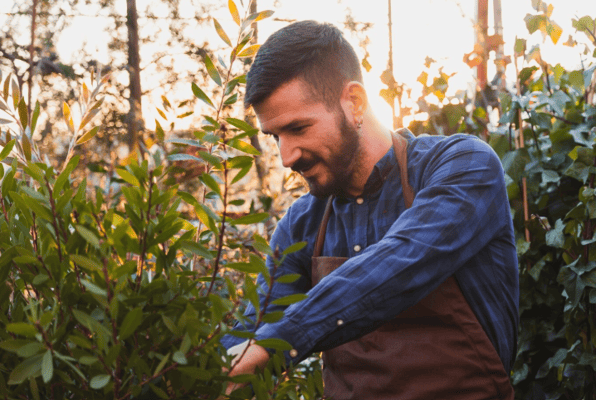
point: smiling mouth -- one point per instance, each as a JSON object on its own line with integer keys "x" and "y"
{"x": 302, "y": 168}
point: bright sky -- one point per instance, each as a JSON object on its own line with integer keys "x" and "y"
{"x": 440, "y": 29}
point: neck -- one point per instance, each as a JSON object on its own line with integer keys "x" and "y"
{"x": 375, "y": 141}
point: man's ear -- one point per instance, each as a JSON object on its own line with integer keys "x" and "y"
{"x": 354, "y": 100}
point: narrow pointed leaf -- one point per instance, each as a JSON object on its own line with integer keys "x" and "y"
{"x": 25, "y": 370}
{"x": 222, "y": 34}
{"x": 240, "y": 124}
{"x": 85, "y": 93}
{"x": 26, "y": 145}
{"x": 161, "y": 364}
{"x": 250, "y": 219}
{"x": 211, "y": 70}
{"x": 88, "y": 136}
{"x": 23, "y": 113}
{"x": 201, "y": 95}
{"x": 243, "y": 146}
{"x": 210, "y": 182}
{"x": 97, "y": 104}
{"x": 159, "y": 131}
{"x": 131, "y": 322}
{"x": 7, "y": 149}
{"x": 234, "y": 12}
{"x": 128, "y": 177}
{"x": 264, "y": 14}
{"x": 249, "y": 51}
{"x": 88, "y": 117}
{"x": 6, "y": 87}
{"x": 47, "y": 367}
{"x": 34, "y": 117}
{"x": 68, "y": 117}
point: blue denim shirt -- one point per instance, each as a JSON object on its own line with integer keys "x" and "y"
{"x": 459, "y": 223}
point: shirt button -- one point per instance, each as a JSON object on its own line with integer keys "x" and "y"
{"x": 359, "y": 200}
{"x": 357, "y": 248}
{"x": 293, "y": 353}
{"x": 340, "y": 322}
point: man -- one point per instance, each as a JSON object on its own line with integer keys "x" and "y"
{"x": 412, "y": 283}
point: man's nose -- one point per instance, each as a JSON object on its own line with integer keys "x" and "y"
{"x": 290, "y": 153}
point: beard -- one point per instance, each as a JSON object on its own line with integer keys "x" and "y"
{"x": 341, "y": 165}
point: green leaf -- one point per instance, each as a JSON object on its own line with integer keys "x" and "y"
{"x": 291, "y": 299}
{"x": 93, "y": 288}
{"x": 22, "y": 328}
{"x": 183, "y": 157}
{"x": 576, "y": 78}
{"x": 242, "y": 173}
{"x": 276, "y": 344}
{"x": 210, "y": 182}
{"x": 273, "y": 317}
{"x": 47, "y": 367}
{"x": 25, "y": 370}
{"x": 131, "y": 322}
{"x": 161, "y": 364}
{"x": 159, "y": 392}
{"x": 88, "y": 136}
{"x": 240, "y": 124}
{"x": 7, "y": 149}
{"x": 128, "y": 177}
{"x": 250, "y": 219}
{"x": 88, "y": 235}
{"x": 222, "y": 34}
{"x": 159, "y": 131}
{"x": 87, "y": 263}
{"x": 211, "y": 70}
{"x": 14, "y": 344}
{"x": 234, "y": 12}
{"x": 196, "y": 373}
{"x": 179, "y": 357}
{"x": 30, "y": 349}
{"x": 288, "y": 278}
{"x": 196, "y": 248}
{"x": 202, "y": 96}
{"x": 245, "y": 267}
{"x": 294, "y": 248}
{"x": 22, "y": 108}
{"x": 34, "y": 117}
{"x": 243, "y": 146}
{"x": 99, "y": 381}
{"x": 167, "y": 321}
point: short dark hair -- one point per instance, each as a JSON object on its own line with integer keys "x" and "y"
{"x": 316, "y": 52}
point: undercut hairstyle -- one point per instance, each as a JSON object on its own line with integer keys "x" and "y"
{"x": 316, "y": 52}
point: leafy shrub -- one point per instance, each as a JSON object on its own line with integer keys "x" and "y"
{"x": 114, "y": 292}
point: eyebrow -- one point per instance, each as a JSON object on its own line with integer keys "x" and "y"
{"x": 291, "y": 125}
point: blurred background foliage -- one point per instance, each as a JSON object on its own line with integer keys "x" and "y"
{"x": 222, "y": 188}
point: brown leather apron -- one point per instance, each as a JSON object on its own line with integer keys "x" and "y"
{"x": 434, "y": 350}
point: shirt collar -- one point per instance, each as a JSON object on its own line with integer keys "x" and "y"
{"x": 380, "y": 172}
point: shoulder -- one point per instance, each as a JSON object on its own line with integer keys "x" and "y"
{"x": 426, "y": 145}
{"x": 454, "y": 155}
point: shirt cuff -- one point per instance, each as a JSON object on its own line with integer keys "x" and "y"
{"x": 290, "y": 332}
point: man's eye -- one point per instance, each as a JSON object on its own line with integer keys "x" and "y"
{"x": 297, "y": 129}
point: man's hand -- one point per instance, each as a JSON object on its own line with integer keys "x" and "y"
{"x": 254, "y": 357}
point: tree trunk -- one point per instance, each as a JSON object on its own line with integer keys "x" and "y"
{"x": 135, "y": 116}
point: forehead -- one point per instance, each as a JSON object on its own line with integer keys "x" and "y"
{"x": 289, "y": 102}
